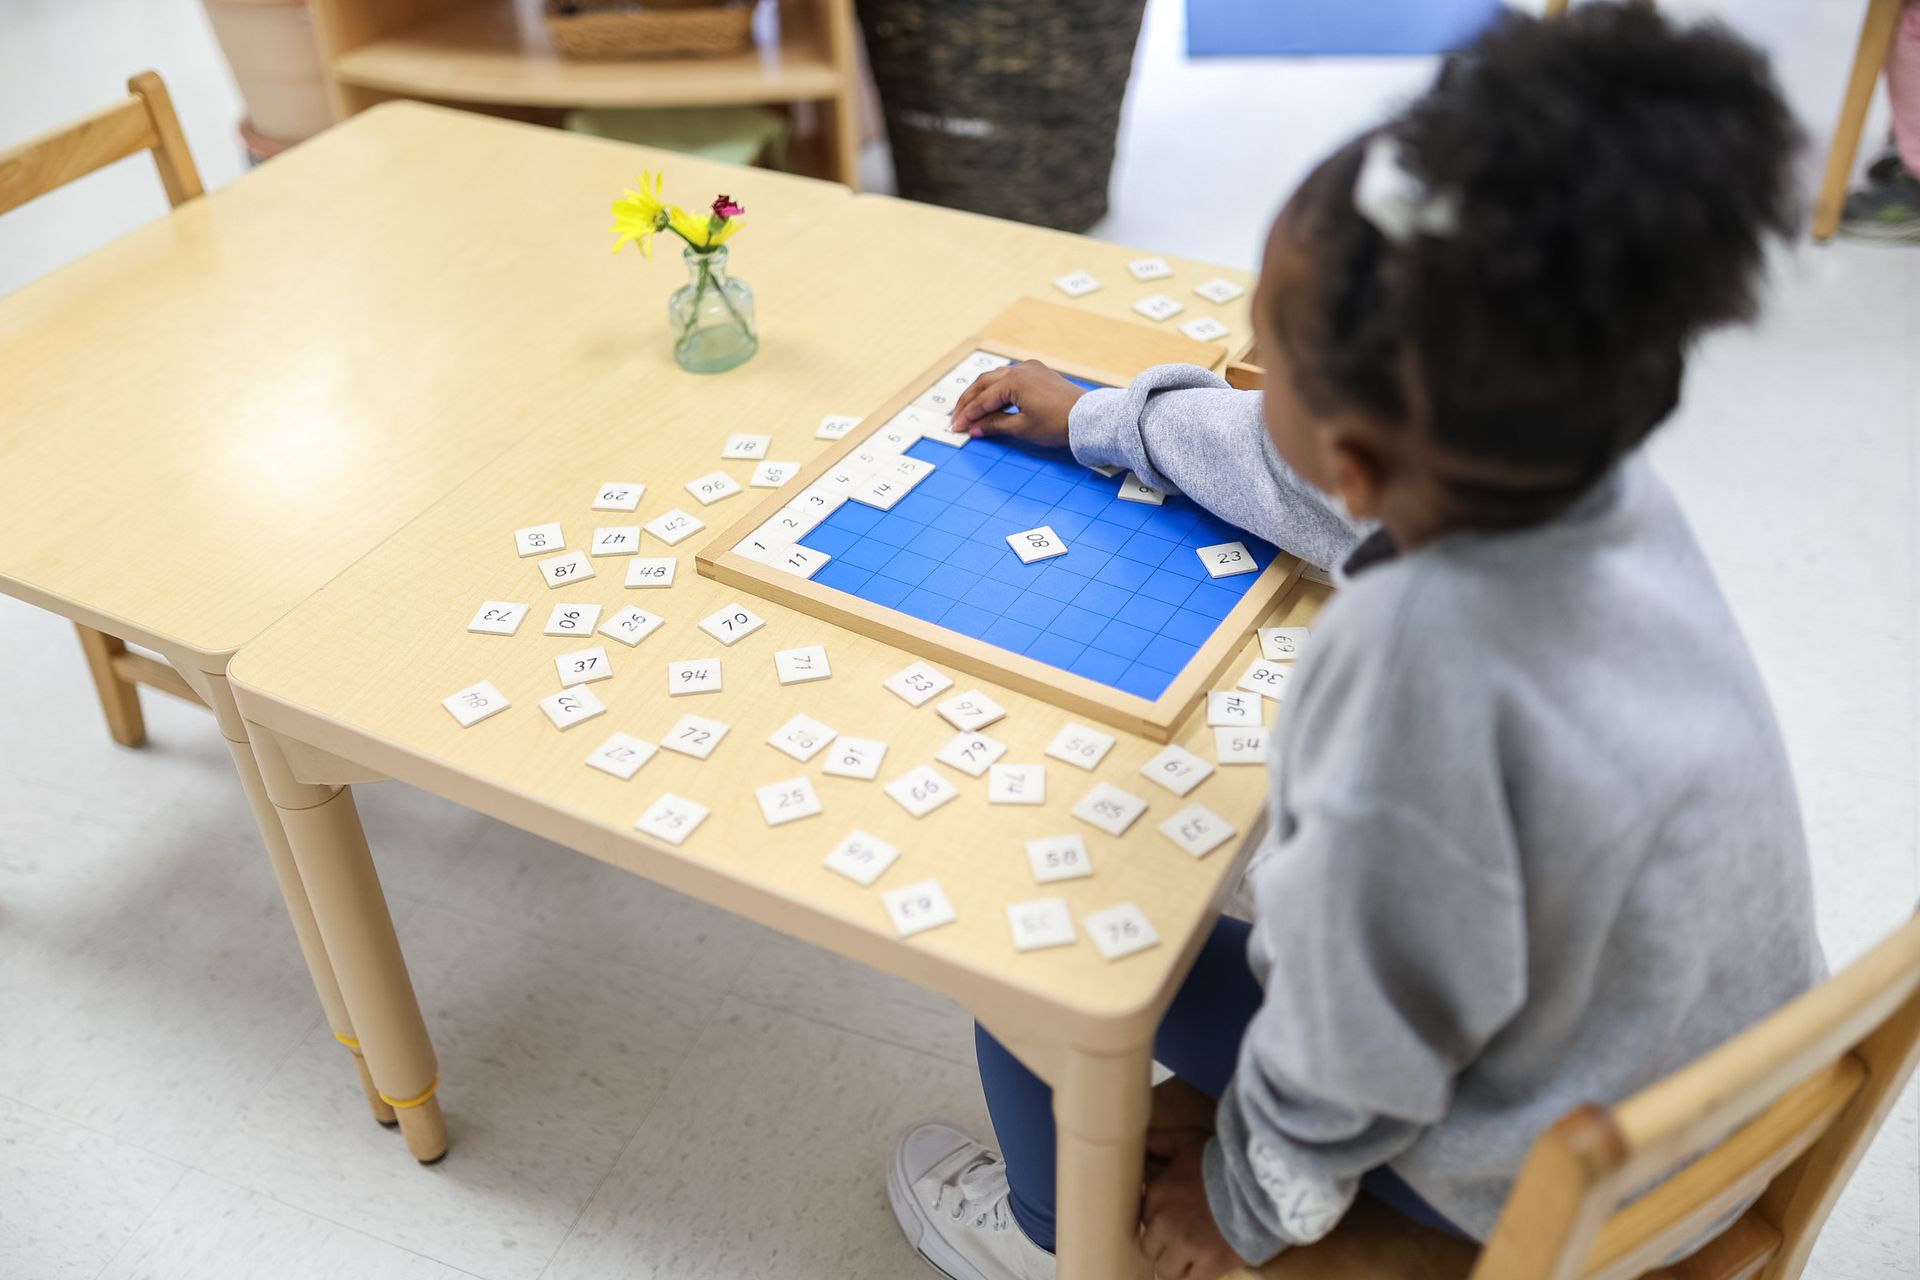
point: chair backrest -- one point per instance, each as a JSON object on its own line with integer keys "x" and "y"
{"x": 142, "y": 122}
{"x": 1782, "y": 1112}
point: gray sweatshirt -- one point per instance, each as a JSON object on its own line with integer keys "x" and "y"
{"x": 1534, "y": 838}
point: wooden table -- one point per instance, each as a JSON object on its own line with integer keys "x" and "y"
{"x": 348, "y": 686}
{"x": 206, "y": 421}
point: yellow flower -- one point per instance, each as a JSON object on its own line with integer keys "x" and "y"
{"x": 640, "y": 214}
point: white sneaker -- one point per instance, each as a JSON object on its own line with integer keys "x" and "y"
{"x": 950, "y": 1195}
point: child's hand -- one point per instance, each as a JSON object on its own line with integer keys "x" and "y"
{"x": 1181, "y": 1238}
{"x": 1043, "y": 397}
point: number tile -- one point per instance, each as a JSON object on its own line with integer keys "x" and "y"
{"x": 915, "y": 908}
{"x": 671, "y": 818}
{"x": 783, "y": 802}
{"x": 569, "y": 707}
{"x": 1198, "y": 830}
{"x": 1109, "y": 808}
{"x": 861, "y": 857}
{"x": 583, "y": 666}
{"x": 571, "y": 619}
{"x": 855, "y": 758}
{"x": 971, "y": 753}
{"x": 539, "y": 540}
{"x": 732, "y": 624}
{"x": 1177, "y": 769}
{"x": 920, "y": 790}
{"x": 621, "y": 755}
{"x": 917, "y": 683}
{"x": 498, "y": 618}
{"x": 1080, "y": 746}
{"x": 1120, "y": 931}
{"x": 1059, "y": 858}
{"x": 475, "y": 703}
{"x": 694, "y": 736}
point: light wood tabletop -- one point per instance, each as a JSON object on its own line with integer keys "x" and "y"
{"x": 349, "y": 686}
{"x": 205, "y": 421}
{"x": 209, "y": 418}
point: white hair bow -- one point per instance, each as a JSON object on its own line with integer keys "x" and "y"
{"x": 1398, "y": 204}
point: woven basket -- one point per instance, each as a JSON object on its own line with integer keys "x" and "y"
{"x": 1009, "y": 109}
{"x": 657, "y": 29}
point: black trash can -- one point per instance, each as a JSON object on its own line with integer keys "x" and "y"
{"x": 1008, "y": 109}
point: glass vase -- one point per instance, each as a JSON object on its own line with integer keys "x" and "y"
{"x": 711, "y": 316}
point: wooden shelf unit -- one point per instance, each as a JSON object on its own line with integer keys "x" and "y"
{"x": 496, "y": 54}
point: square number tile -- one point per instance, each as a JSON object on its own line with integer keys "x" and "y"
{"x": 802, "y": 666}
{"x": 732, "y": 624}
{"x": 1120, "y": 931}
{"x": 498, "y": 618}
{"x": 475, "y": 703}
{"x": 783, "y": 802}
{"x": 712, "y": 487}
{"x": 861, "y": 858}
{"x": 1080, "y": 746}
{"x": 564, "y": 571}
{"x": 694, "y": 736}
{"x": 747, "y": 448}
{"x": 1205, "y": 329}
{"x": 675, "y": 526}
{"x": 583, "y": 666}
{"x": 1017, "y": 784}
{"x": 651, "y": 571}
{"x": 621, "y": 755}
{"x": 1109, "y": 808}
{"x": 1240, "y": 744}
{"x": 855, "y": 758}
{"x": 539, "y": 540}
{"x": 1158, "y": 306}
{"x": 1150, "y": 268}
{"x": 1218, "y": 290}
{"x": 671, "y": 818}
{"x": 1043, "y": 922}
{"x": 615, "y": 540}
{"x": 570, "y": 707}
{"x": 920, "y": 791}
{"x": 802, "y": 737}
{"x": 1076, "y": 284}
{"x": 970, "y": 711}
{"x": 631, "y": 625}
{"x": 1036, "y": 544}
{"x": 1177, "y": 769}
{"x": 1197, "y": 829}
{"x": 971, "y": 753}
{"x": 1227, "y": 560}
{"x": 617, "y": 495}
{"x": 1265, "y": 676}
{"x": 915, "y": 908}
{"x": 696, "y": 675}
{"x": 571, "y": 620}
{"x": 1059, "y": 858}
{"x": 917, "y": 683}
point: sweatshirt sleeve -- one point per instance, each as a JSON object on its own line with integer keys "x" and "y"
{"x": 1390, "y": 958}
{"x": 1183, "y": 430}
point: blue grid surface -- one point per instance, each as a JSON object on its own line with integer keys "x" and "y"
{"x": 1128, "y": 605}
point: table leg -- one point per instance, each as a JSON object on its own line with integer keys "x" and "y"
{"x": 1101, "y": 1104}
{"x": 214, "y": 689}
{"x": 329, "y": 849}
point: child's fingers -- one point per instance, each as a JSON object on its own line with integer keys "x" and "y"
{"x": 994, "y": 424}
{"x": 990, "y": 392}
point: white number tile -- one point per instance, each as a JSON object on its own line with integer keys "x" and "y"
{"x": 712, "y": 487}
{"x": 924, "y": 418}
{"x": 938, "y": 399}
{"x": 475, "y": 703}
{"x": 855, "y": 758}
{"x": 694, "y": 736}
{"x": 616, "y": 496}
{"x": 817, "y": 499}
{"x": 1150, "y": 268}
{"x": 1227, "y": 559}
{"x": 771, "y": 475}
{"x": 1076, "y": 284}
{"x": 621, "y": 755}
{"x": 982, "y": 361}
{"x": 1158, "y": 306}
{"x": 583, "y": 666}
{"x": 1134, "y": 489}
{"x": 1234, "y": 707}
{"x": 899, "y": 435}
{"x": 758, "y": 545}
{"x": 1218, "y": 290}
{"x": 861, "y": 858}
{"x": 571, "y": 620}
{"x": 631, "y": 625}
{"x": 835, "y": 426}
{"x": 1197, "y": 829}
{"x": 564, "y": 571}
{"x": 917, "y": 683}
{"x": 1043, "y": 922}
{"x": 1265, "y": 676}
{"x": 869, "y": 459}
{"x": 569, "y": 707}
{"x": 651, "y": 571}
{"x": 1017, "y": 784}
{"x": 802, "y": 737}
{"x": 1036, "y": 544}
{"x": 970, "y": 710}
{"x": 1109, "y": 808}
{"x": 1205, "y": 329}
{"x": 616, "y": 540}
{"x": 697, "y": 675}
{"x": 1120, "y": 931}
{"x": 801, "y": 562}
{"x": 909, "y": 471}
{"x": 971, "y": 753}
{"x": 734, "y": 623}
{"x": 746, "y": 448}
{"x": 498, "y": 618}
{"x": 1177, "y": 769}
{"x": 1108, "y": 472}
{"x": 802, "y": 666}
{"x": 841, "y": 480}
{"x": 783, "y": 802}
{"x": 882, "y": 493}
{"x": 1233, "y": 744}
{"x": 671, "y": 818}
{"x": 915, "y": 908}
{"x": 1284, "y": 644}
{"x": 920, "y": 790}
{"x": 1080, "y": 746}
{"x": 675, "y": 526}
{"x": 1059, "y": 858}
{"x": 539, "y": 540}
{"x": 791, "y": 523}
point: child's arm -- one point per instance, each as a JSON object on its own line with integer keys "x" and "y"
{"x": 1180, "y": 429}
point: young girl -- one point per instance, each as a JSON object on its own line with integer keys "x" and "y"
{"x": 1534, "y": 837}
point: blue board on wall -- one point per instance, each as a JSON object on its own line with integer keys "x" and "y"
{"x": 1241, "y": 28}
{"x": 1129, "y": 605}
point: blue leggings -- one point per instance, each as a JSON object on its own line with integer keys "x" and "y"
{"x": 1199, "y": 1041}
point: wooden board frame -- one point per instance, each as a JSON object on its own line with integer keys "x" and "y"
{"x": 1087, "y": 346}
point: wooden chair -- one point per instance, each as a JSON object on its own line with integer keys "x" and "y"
{"x": 142, "y": 122}
{"x": 1783, "y": 1112}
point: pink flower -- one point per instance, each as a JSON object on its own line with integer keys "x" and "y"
{"x": 724, "y": 207}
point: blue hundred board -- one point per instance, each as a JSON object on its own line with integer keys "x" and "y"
{"x": 1129, "y": 605}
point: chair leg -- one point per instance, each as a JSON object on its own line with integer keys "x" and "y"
{"x": 119, "y": 699}
{"x": 1876, "y": 37}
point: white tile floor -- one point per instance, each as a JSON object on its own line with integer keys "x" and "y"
{"x": 642, "y": 1086}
